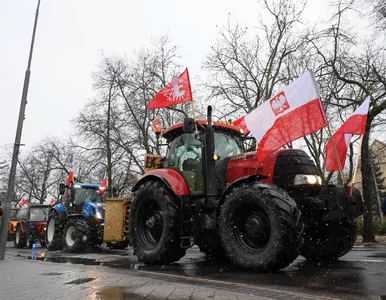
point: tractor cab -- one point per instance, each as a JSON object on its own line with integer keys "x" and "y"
{"x": 78, "y": 194}
{"x": 186, "y": 152}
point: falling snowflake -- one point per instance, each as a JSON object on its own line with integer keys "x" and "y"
{"x": 174, "y": 90}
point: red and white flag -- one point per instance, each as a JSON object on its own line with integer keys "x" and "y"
{"x": 241, "y": 123}
{"x": 103, "y": 185}
{"x": 177, "y": 91}
{"x": 52, "y": 202}
{"x": 23, "y": 202}
{"x": 155, "y": 125}
{"x": 70, "y": 177}
{"x": 355, "y": 124}
{"x": 294, "y": 112}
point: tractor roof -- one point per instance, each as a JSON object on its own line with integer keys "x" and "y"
{"x": 88, "y": 185}
{"x": 177, "y": 129}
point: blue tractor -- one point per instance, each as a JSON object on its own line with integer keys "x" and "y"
{"x": 76, "y": 222}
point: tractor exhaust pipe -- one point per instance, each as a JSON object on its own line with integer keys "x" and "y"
{"x": 210, "y": 174}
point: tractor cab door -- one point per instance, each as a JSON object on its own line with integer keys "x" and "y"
{"x": 185, "y": 156}
{"x": 225, "y": 145}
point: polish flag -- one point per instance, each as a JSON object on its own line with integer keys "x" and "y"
{"x": 355, "y": 124}
{"x": 177, "y": 91}
{"x": 241, "y": 123}
{"x": 103, "y": 185}
{"x": 155, "y": 125}
{"x": 70, "y": 177}
{"x": 23, "y": 202}
{"x": 294, "y": 112}
{"x": 52, "y": 202}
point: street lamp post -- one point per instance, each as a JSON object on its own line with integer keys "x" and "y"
{"x": 16, "y": 147}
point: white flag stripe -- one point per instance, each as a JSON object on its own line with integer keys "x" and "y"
{"x": 363, "y": 109}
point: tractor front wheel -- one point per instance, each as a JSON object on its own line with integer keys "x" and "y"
{"x": 53, "y": 232}
{"x": 20, "y": 238}
{"x": 259, "y": 227}
{"x": 76, "y": 235}
{"x": 155, "y": 224}
{"x": 29, "y": 241}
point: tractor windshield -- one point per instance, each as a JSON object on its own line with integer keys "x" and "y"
{"x": 83, "y": 195}
{"x": 39, "y": 213}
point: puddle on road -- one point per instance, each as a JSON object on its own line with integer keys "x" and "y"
{"x": 89, "y": 262}
{"x": 379, "y": 255}
{"x": 81, "y": 281}
{"x": 52, "y": 274}
{"x": 118, "y": 293}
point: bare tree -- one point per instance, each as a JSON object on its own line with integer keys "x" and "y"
{"x": 245, "y": 73}
{"x": 358, "y": 67}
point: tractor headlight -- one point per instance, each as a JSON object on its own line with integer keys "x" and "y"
{"x": 98, "y": 215}
{"x": 302, "y": 179}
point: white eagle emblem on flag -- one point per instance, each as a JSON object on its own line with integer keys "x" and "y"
{"x": 174, "y": 90}
{"x": 279, "y": 103}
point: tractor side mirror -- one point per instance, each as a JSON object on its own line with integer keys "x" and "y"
{"x": 62, "y": 188}
{"x": 189, "y": 125}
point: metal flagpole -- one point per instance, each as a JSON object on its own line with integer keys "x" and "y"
{"x": 336, "y": 154}
{"x": 330, "y": 134}
{"x": 193, "y": 113}
{"x": 356, "y": 166}
{"x": 11, "y": 181}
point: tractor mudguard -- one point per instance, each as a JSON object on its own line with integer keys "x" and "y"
{"x": 248, "y": 178}
{"x": 171, "y": 178}
{"x": 60, "y": 211}
{"x": 91, "y": 209}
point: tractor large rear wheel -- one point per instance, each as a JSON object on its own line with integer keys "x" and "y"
{"x": 53, "y": 232}
{"x": 76, "y": 235}
{"x": 155, "y": 224}
{"x": 259, "y": 227}
{"x": 327, "y": 241}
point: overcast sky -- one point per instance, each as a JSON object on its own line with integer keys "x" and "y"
{"x": 70, "y": 37}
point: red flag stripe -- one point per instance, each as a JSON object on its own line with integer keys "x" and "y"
{"x": 241, "y": 123}
{"x": 70, "y": 178}
{"x": 290, "y": 127}
{"x": 355, "y": 124}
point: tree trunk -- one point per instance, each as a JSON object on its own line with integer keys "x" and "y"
{"x": 367, "y": 183}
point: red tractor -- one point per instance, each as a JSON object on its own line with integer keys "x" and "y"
{"x": 31, "y": 225}
{"x": 208, "y": 191}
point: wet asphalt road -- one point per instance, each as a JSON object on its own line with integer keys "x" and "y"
{"x": 360, "y": 274}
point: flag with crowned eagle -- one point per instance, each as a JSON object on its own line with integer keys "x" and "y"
{"x": 177, "y": 91}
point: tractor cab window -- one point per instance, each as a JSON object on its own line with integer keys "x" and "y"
{"x": 83, "y": 195}
{"x": 13, "y": 214}
{"x": 185, "y": 156}
{"x": 225, "y": 145}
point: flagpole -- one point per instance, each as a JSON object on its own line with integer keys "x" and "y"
{"x": 16, "y": 145}
{"x": 190, "y": 89}
{"x": 336, "y": 153}
{"x": 329, "y": 131}
{"x": 356, "y": 167}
